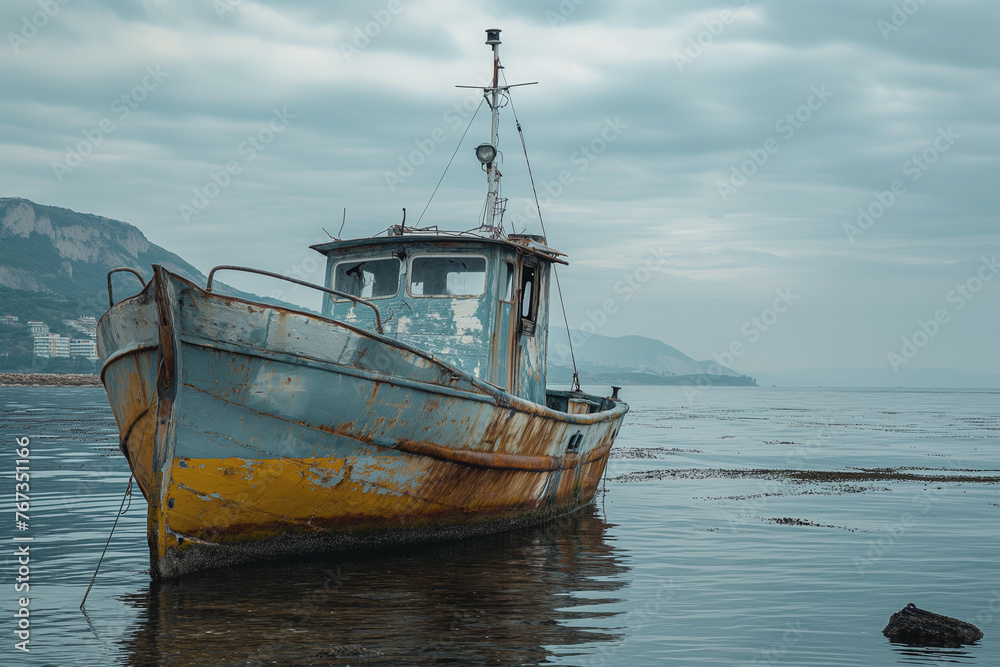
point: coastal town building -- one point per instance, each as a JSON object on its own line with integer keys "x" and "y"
{"x": 52, "y": 345}
{"x": 85, "y": 325}
{"x": 83, "y": 347}
{"x": 38, "y": 328}
{"x": 9, "y": 319}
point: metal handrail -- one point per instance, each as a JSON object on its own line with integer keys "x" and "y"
{"x": 127, "y": 269}
{"x": 343, "y": 295}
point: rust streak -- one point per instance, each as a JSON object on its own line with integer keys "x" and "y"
{"x": 499, "y": 461}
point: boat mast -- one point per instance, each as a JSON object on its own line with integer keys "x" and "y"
{"x": 493, "y": 214}
{"x": 496, "y": 96}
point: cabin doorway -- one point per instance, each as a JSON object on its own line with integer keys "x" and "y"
{"x": 504, "y": 335}
{"x": 526, "y": 358}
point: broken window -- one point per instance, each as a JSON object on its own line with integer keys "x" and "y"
{"x": 507, "y": 285}
{"x": 367, "y": 278}
{"x": 448, "y": 276}
{"x": 529, "y": 299}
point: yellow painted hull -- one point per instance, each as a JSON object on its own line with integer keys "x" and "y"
{"x": 247, "y": 443}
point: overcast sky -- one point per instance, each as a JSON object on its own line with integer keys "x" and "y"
{"x": 828, "y": 168}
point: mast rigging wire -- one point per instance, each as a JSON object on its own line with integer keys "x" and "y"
{"x": 575, "y": 386}
{"x": 450, "y": 161}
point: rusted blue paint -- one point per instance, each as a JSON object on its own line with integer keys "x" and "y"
{"x": 260, "y": 432}
{"x": 483, "y": 335}
{"x": 283, "y": 432}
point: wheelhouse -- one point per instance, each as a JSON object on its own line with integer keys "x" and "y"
{"x": 479, "y": 304}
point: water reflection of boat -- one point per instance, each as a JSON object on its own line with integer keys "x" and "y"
{"x": 513, "y": 598}
{"x": 415, "y": 408}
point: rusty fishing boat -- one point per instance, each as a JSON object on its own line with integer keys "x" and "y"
{"x": 413, "y": 408}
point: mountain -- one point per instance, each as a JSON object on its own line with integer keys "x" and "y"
{"x": 53, "y": 267}
{"x": 45, "y": 250}
{"x": 631, "y": 360}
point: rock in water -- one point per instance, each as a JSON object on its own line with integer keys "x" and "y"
{"x": 919, "y": 627}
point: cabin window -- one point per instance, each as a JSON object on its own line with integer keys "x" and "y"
{"x": 507, "y": 284}
{"x": 528, "y": 291}
{"x": 367, "y": 278}
{"x": 529, "y": 299}
{"x": 451, "y": 275}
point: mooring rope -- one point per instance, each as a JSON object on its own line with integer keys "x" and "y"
{"x": 127, "y": 496}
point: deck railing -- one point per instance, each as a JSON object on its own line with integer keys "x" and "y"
{"x": 342, "y": 295}
{"x": 122, "y": 269}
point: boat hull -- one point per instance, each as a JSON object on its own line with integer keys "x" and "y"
{"x": 257, "y": 432}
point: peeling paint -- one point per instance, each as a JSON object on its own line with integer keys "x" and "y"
{"x": 248, "y": 425}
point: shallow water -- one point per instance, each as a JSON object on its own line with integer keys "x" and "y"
{"x": 687, "y": 570}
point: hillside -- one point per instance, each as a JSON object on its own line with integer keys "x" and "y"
{"x": 53, "y": 266}
{"x": 45, "y": 250}
{"x": 632, "y": 360}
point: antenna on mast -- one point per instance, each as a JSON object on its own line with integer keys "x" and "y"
{"x": 492, "y": 173}
{"x": 495, "y": 96}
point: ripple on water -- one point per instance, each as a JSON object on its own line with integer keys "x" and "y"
{"x": 700, "y": 570}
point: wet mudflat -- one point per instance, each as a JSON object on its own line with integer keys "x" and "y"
{"x": 739, "y": 526}
{"x": 820, "y": 476}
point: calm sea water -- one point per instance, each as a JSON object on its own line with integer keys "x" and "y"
{"x": 687, "y": 569}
